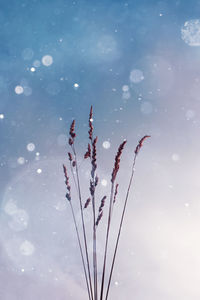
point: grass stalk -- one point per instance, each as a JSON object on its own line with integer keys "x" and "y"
{"x": 82, "y": 221}
{"x": 81, "y": 251}
{"x": 120, "y": 227}
{"x": 106, "y": 243}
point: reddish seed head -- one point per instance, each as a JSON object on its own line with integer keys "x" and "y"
{"x": 68, "y": 195}
{"x": 94, "y": 157}
{"x": 70, "y": 156}
{"x": 90, "y": 124}
{"x": 70, "y": 141}
{"x": 115, "y": 194}
{"x": 88, "y": 153}
{"x": 96, "y": 180}
{"x": 99, "y": 218}
{"x": 72, "y": 132}
{"x": 140, "y": 143}
{"x": 102, "y": 204}
{"x": 87, "y": 202}
{"x": 117, "y": 161}
{"x": 91, "y": 112}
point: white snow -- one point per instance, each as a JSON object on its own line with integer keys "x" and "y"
{"x": 47, "y": 60}
{"x": 21, "y": 160}
{"x": 19, "y": 90}
{"x": 106, "y": 144}
{"x": 136, "y": 76}
{"x": 27, "y": 248}
{"x": 190, "y": 32}
{"x": 104, "y": 182}
{"x": 39, "y": 171}
{"x": 30, "y": 147}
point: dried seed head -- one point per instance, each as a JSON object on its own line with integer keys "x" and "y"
{"x": 90, "y": 124}
{"x": 140, "y": 143}
{"x": 87, "y": 202}
{"x": 94, "y": 157}
{"x": 99, "y": 218}
{"x": 88, "y": 153}
{"x": 117, "y": 161}
{"x": 102, "y": 204}
{"x": 70, "y": 142}
{"x": 73, "y": 163}
{"x": 68, "y": 195}
{"x": 70, "y": 156}
{"x": 72, "y": 130}
{"x": 92, "y": 188}
{"x": 96, "y": 180}
{"x": 115, "y": 194}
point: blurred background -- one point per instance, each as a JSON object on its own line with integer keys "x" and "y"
{"x": 138, "y": 64}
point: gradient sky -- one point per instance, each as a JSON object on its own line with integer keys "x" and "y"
{"x": 138, "y": 64}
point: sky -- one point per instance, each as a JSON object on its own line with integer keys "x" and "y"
{"x": 138, "y": 64}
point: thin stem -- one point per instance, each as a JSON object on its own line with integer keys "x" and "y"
{"x": 83, "y": 223}
{"x": 121, "y": 222}
{"x": 94, "y": 231}
{"x": 73, "y": 177}
{"x": 94, "y": 249}
{"x": 81, "y": 250}
{"x": 106, "y": 243}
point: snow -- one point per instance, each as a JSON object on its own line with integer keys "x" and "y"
{"x": 136, "y": 76}
{"x": 190, "y": 32}
{"x": 27, "y": 248}
{"x": 39, "y": 171}
{"x": 19, "y": 90}
{"x": 104, "y": 182}
{"x": 30, "y": 147}
{"x": 47, "y": 60}
{"x": 76, "y": 86}
{"x": 125, "y": 88}
{"x": 21, "y": 160}
{"x": 36, "y": 63}
{"x": 106, "y": 144}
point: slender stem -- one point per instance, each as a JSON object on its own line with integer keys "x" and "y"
{"x": 94, "y": 249}
{"x": 94, "y": 234}
{"x": 120, "y": 227}
{"x": 106, "y": 243}
{"x": 81, "y": 250}
{"x": 73, "y": 177}
{"x": 83, "y": 223}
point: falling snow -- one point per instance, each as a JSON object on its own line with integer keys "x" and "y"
{"x": 30, "y": 147}
{"x": 104, "y": 182}
{"x": 190, "y": 32}
{"x": 106, "y": 144}
{"x": 19, "y": 89}
{"x": 21, "y": 160}
{"x": 47, "y": 60}
{"x": 136, "y": 76}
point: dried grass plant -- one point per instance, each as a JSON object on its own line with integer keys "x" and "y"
{"x": 97, "y": 288}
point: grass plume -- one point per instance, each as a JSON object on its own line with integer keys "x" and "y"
{"x": 96, "y": 288}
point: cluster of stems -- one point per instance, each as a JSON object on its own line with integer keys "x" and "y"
{"x": 97, "y": 287}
